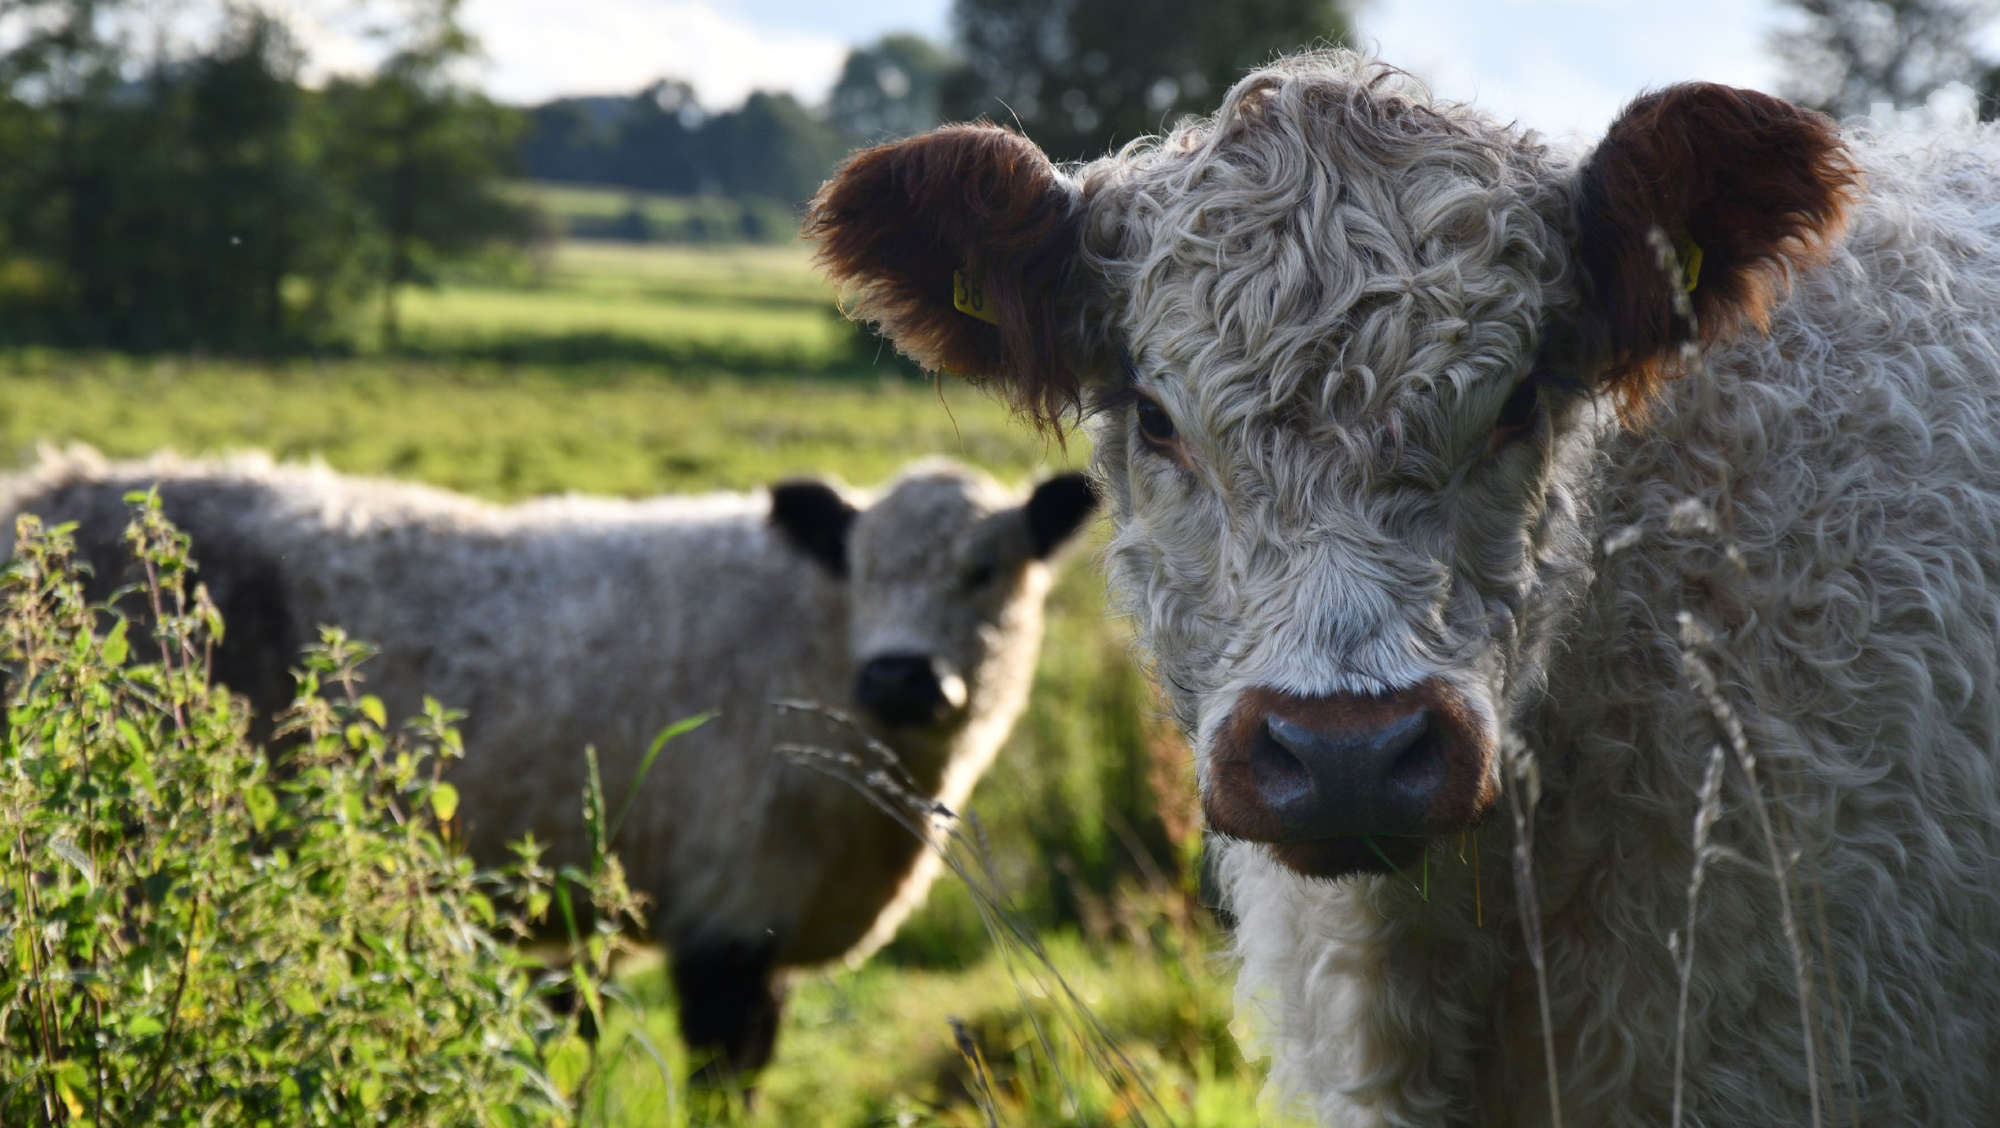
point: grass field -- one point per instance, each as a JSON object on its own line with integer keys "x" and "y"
{"x": 603, "y": 211}
{"x": 748, "y": 309}
{"x": 1086, "y": 817}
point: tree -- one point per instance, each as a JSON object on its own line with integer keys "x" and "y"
{"x": 59, "y": 78}
{"x": 1079, "y": 76}
{"x": 892, "y": 88}
{"x": 423, "y": 154}
{"x": 253, "y": 209}
{"x": 770, "y": 148}
{"x": 167, "y": 208}
{"x": 659, "y": 143}
{"x": 1843, "y": 56}
{"x": 566, "y": 140}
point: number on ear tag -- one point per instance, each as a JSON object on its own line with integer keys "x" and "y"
{"x": 969, "y": 298}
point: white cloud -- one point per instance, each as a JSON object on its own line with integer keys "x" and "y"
{"x": 540, "y": 49}
{"x": 333, "y": 36}
{"x": 1565, "y": 67}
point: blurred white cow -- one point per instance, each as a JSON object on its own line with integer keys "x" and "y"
{"x": 579, "y": 621}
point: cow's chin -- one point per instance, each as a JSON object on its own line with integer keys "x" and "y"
{"x": 1330, "y": 859}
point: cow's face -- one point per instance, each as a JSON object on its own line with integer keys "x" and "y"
{"x": 1347, "y": 357}
{"x": 945, "y": 577}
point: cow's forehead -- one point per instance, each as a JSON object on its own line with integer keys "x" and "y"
{"x": 1329, "y": 245}
{"x": 913, "y": 527}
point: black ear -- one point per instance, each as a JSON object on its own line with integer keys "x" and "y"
{"x": 816, "y": 520}
{"x": 1057, "y": 509}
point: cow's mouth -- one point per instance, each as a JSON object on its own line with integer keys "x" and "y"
{"x": 1332, "y": 858}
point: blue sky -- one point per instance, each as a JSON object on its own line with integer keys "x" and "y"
{"x": 1563, "y": 66}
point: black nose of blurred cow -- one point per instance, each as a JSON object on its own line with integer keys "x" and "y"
{"x": 908, "y": 689}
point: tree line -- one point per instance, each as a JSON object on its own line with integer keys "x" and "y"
{"x": 1077, "y": 75}
{"x": 212, "y": 200}
{"x": 209, "y": 198}
{"x": 1083, "y": 76}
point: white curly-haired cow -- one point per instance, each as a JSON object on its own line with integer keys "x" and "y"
{"x": 1384, "y": 397}
{"x": 576, "y": 621}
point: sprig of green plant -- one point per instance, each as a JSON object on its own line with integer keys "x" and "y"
{"x": 196, "y": 930}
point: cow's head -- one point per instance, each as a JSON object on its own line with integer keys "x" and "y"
{"x": 945, "y": 575}
{"x": 1347, "y": 356}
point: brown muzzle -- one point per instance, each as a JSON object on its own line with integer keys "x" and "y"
{"x": 1348, "y": 783}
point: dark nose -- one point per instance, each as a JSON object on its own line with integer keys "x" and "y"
{"x": 901, "y": 689}
{"x": 1380, "y": 777}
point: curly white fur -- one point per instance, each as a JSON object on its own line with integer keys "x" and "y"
{"x": 575, "y": 621}
{"x": 1852, "y": 458}
{"x": 1330, "y": 289}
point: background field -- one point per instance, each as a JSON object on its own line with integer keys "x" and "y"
{"x": 734, "y": 373}
{"x": 588, "y": 211}
{"x": 735, "y": 308}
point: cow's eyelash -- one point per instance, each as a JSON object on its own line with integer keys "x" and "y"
{"x": 1123, "y": 393}
{"x": 1116, "y": 398}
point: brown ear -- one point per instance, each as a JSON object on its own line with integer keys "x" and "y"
{"x": 898, "y": 221}
{"x": 1761, "y": 186}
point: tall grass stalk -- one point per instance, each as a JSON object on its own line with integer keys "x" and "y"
{"x": 1714, "y": 518}
{"x": 1702, "y": 675}
{"x": 884, "y": 781}
{"x": 1682, "y": 945}
{"x": 1519, "y": 773}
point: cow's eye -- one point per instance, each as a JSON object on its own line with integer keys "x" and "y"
{"x": 1517, "y": 414}
{"x": 1154, "y": 422}
{"x": 980, "y": 574}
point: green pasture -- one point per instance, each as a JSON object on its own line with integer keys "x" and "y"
{"x": 509, "y": 431}
{"x": 608, "y": 212}
{"x": 756, "y": 309}
{"x": 1084, "y": 828}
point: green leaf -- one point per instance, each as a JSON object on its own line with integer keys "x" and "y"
{"x": 72, "y": 1080}
{"x": 143, "y": 1026}
{"x": 261, "y": 804}
{"x": 685, "y": 725}
{"x": 115, "y": 645}
{"x": 301, "y": 1001}
{"x": 371, "y": 707}
{"x": 444, "y": 800}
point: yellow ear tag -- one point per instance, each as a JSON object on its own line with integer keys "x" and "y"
{"x": 1690, "y": 265}
{"x": 969, "y": 298}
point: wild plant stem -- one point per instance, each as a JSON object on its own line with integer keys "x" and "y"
{"x": 1705, "y": 815}
{"x": 1531, "y": 917}
{"x": 1709, "y": 686}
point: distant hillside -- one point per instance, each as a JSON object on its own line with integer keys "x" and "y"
{"x": 661, "y": 140}
{"x": 609, "y": 211}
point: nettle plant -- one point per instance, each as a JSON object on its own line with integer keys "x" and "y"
{"x": 195, "y": 930}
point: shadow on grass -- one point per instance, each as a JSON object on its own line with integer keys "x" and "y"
{"x": 859, "y": 353}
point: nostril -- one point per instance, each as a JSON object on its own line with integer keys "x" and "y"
{"x": 900, "y": 673}
{"x": 1420, "y": 768}
{"x": 1349, "y": 779}
{"x": 1281, "y": 778}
